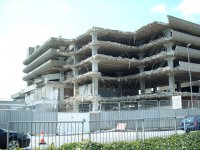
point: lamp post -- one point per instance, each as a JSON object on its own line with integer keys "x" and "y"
{"x": 189, "y": 70}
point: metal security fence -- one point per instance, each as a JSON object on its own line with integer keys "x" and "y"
{"x": 28, "y": 115}
{"x": 34, "y": 135}
{"x": 188, "y": 104}
{"x": 138, "y": 114}
{"x": 60, "y": 128}
{"x": 129, "y": 130}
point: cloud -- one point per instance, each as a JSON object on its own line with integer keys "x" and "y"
{"x": 159, "y": 8}
{"x": 188, "y": 7}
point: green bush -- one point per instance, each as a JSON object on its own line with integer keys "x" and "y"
{"x": 189, "y": 141}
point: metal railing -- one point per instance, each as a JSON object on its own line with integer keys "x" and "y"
{"x": 130, "y": 130}
{"x": 34, "y": 135}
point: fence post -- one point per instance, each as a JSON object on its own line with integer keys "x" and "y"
{"x": 175, "y": 125}
{"x": 82, "y": 132}
{"x": 89, "y": 131}
{"x": 184, "y": 125}
{"x": 8, "y": 126}
{"x": 143, "y": 136}
{"x": 136, "y": 129}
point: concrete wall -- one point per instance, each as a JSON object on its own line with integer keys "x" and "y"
{"x": 85, "y": 90}
{"x": 73, "y": 127}
{"x": 43, "y": 98}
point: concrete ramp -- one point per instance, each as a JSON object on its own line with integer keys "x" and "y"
{"x": 185, "y": 66}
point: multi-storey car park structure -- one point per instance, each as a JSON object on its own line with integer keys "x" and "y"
{"x": 109, "y": 69}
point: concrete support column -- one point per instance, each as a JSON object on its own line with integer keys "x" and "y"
{"x": 76, "y": 59}
{"x": 171, "y": 75}
{"x": 170, "y": 63}
{"x": 93, "y": 46}
{"x": 94, "y": 49}
{"x": 95, "y": 67}
{"x": 170, "y": 59}
{"x": 94, "y": 36}
{"x": 62, "y": 94}
{"x": 95, "y": 85}
{"x": 76, "y": 71}
{"x": 141, "y": 69}
{"x": 171, "y": 82}
{"x": 119, "y": 74}
{"x": 61, "y": 88}
{"x": 75, "y": 89}
{"x": 76, "y": 106}
{"x": 75, "y": 47}
{"x": 95, "y": 105}
{"x": 168, "y": 46}
{"x": 142, "y": 81}
{"x": 119, "y": 106}
{"x": 142, "y": 86}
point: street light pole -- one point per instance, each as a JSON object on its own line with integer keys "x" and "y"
{"x": 190, "y": 75}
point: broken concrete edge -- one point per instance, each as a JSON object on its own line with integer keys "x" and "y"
{"x": 172, "y": 21}
{"x": 51, "y": 53}
{"x": 50, "y": 43}
{"x": 130, "y": 98}
{"x": 175, "y": 22}
{"x": 179, "y": 51}
{"x": 132, "y": 61}
{"x": 50, "y": 65}
{"x": 176, "y": 36}
{"x": 124, "y": 78}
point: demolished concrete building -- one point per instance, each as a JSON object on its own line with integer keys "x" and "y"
{"x": 106, "y": 68}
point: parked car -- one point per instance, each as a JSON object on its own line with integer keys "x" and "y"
{"x": 190, "y": 123}
{"x": 16, "y": 140}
